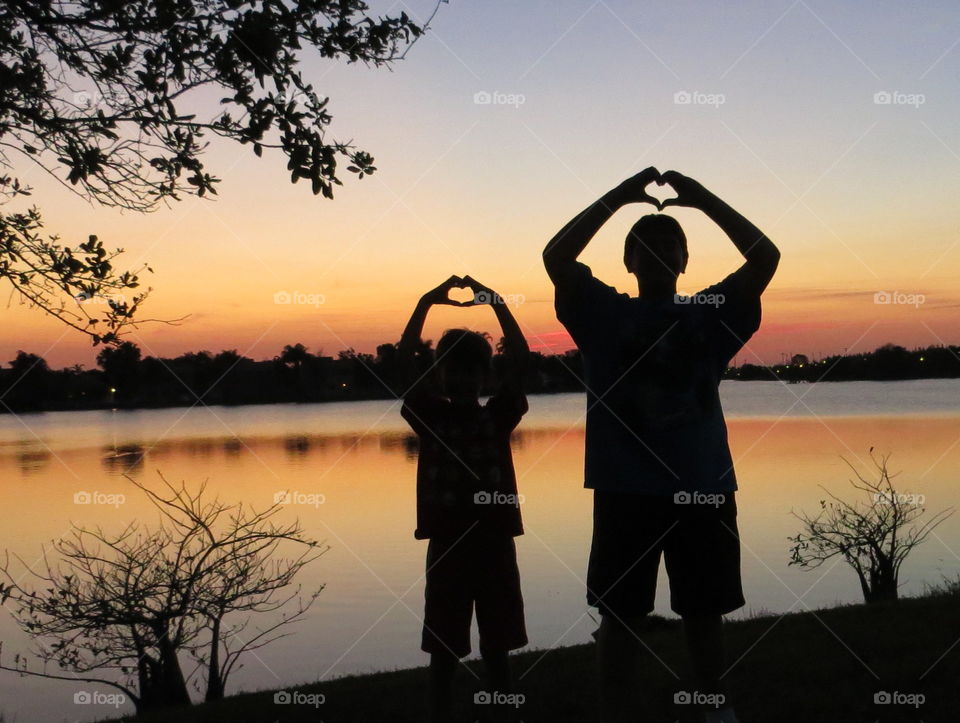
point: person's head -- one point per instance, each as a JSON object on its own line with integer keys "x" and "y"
{"x": 656, "y": 249}
{"x": 463, "y": 362}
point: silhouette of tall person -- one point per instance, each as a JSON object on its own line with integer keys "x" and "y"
{"x": 657, "y": 456}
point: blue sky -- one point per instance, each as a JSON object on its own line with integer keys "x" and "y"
{"x": 784, "y": 124}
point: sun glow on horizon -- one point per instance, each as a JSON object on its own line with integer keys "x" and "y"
{"x": 479, "y": 187}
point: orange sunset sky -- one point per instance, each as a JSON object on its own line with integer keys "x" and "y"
{"x": 860, "y": 195}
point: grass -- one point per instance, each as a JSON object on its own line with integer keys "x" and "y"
{"x": 812, "y": 667}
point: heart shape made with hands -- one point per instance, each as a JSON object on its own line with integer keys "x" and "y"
{"x": 659, "y": 183}
{"x": 461, "y": 295}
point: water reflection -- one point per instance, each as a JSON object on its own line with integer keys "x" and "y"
{"x": 297, "y": 446}
{"x": 127, "y": 458}
{"x": 200, "y": 447}
{"x": 232, "y": 446}
{"x": 33, "y": 460}
{"x": 367, "y": 484}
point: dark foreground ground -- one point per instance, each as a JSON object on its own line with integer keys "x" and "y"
{"x": 824, "y": 666}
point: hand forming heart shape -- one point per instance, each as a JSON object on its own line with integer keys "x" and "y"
{"x": 660, "y": 203}
{"x": 461, "y": 295}
{"x": 635, "y": 189}
{"x": 477, "y": 296}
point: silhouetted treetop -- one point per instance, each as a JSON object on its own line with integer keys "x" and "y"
{"x": 99, "y": 93}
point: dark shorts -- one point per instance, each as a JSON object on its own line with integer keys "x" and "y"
{"x": 480, "y": 570}
{"x": 700, "y": 546}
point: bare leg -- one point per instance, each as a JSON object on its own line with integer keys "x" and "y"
{"x": 497, "y": 663}
{"x": 443, "y": 666}
{"x": 704, "y": 636}
{"x": 618, "y": 650}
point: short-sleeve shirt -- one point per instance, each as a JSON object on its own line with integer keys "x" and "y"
{"x": 652, "y": 370}
{"x": 465, "y": 475}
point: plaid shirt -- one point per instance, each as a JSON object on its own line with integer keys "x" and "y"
{"x": 465, "y": 475}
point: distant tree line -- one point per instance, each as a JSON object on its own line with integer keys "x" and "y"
{"x": 886, "y": 363}
{"x": 125, "y": 378}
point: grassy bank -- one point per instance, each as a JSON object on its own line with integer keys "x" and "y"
{"x": 806, "y": 667}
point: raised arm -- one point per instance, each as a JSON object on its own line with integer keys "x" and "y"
{"x": 516, "y": 349}
{"x": 514, "y": 341}
{"x": 762, "y": 256}
{"x": 562, "y": 250}
{"x": 411, "y": 341}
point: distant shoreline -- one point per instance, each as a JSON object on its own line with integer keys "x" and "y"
{"x": 103, "y": 407}
{"x": 128, "y": 381}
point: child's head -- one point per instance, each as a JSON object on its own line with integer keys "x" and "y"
{"x": 656, "y": 248}
{"x": 463, "y": 361}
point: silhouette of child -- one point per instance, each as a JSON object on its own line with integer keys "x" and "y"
{"x": 656, "y": 452}
{"x": 467, "y": 501}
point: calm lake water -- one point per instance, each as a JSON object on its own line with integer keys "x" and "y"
{"x": 786, "y": 441}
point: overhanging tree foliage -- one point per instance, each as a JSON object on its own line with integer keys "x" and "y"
{"x": 106, "y": 97}
{"x": 77, "y": 285}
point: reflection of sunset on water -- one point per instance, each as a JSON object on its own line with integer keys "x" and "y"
{"x": 357, "y": 491}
